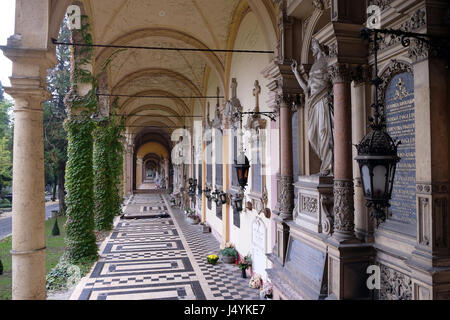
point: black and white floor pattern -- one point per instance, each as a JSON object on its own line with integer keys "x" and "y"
{"x": 161, "y": 257}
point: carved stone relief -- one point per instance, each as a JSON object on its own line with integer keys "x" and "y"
{"x": 343, "y": 206}
{"x": 394, "y": 285}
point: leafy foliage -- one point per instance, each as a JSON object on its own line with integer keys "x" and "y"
{"x": 80, "y": 239}
{"x": 108, "y": 162}
{"x": 6, "y": 141}
{"x": 55, "y": 137}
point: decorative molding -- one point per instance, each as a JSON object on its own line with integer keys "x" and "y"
{"x": 327, "y": 203}
{"x": 344, "y": 211}
{"x": 433, "y": 188}
{"x": 394, "y": 285}
{"x": 424, "y": 222}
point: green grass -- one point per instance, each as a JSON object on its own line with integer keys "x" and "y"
{"x": 55, "y": 248}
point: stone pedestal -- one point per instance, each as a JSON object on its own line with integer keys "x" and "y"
{"x": 313, "y": 209}
{"x": 347, "y": 270}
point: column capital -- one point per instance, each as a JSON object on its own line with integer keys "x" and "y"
{"x": 340, "y": 72}
{"x": 361, "y": 74}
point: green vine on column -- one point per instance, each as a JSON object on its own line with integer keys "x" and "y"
{"x": 108, "y": 166}
{"x": 80, "y": 239}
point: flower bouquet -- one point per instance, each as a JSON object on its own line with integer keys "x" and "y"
{"x": 255, "y": 282}
{"x": 212, "y": 259}
{"x": 244, "y": 264}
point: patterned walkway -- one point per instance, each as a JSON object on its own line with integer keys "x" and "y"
{"x": 162, "y": 257}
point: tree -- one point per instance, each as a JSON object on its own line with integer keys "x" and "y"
{"x": 6, "y": 134}
{"x": 55, "y": 137}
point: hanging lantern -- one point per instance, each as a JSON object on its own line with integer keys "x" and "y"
{"x": 377, "y": 152}
{"x": 377, "y": 159}
{"x": 242, "y": 167}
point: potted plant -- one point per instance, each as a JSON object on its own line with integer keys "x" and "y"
{"x": 229, "y": 253}
{"x": 244, "y": 264}
{"x": 212, "y": 259}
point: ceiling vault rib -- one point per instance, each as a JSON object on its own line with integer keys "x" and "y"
{"x": 56, "y": 42}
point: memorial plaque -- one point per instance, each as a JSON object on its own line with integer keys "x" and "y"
{"x": 259, "y": 248}
{"x": 400, "y": 124}
{"x": 306, "y": 263}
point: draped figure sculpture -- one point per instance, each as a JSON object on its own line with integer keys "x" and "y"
{"x": 316, "y": 89}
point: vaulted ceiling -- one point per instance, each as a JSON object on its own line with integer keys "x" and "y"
{"x": 203, "y": 24}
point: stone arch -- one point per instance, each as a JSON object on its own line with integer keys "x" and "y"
{"x": 151, "y": 71}
{"x": 172, "y": 97}
{"x": 309, "y": 32}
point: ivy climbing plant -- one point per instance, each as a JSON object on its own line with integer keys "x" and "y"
{"x": 80, "y": 239}
{"x": 108, "y": 164}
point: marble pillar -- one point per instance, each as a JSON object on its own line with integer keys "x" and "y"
{"x": 286, "y": 162}
{"x": 343, "y": 172}
{"x": 166, "y": 171}
{"x": 361, "y": 101}
{"x": 28, "y": 219}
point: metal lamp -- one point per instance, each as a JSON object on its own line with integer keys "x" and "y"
{"x": 223, "y": 197}
{"x": 377, "y": 153}
{"x": 242, "y": 166}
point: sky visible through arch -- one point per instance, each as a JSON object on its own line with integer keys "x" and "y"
{"x": 7, "y": 15}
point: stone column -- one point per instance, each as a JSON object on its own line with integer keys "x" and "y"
{"x": 343, "y": 173}
{"x": 28, "y": 219}
{"x": 286, "y": 162}
{"x": 361, "y": 101}
{"x": 166, "y": 171}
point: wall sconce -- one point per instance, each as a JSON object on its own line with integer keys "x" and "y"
{"x": 223, "y": 197}
{"x": 215, "y": 196}
{"x": 236, "y": 201}
{"x": 207, "y": 192}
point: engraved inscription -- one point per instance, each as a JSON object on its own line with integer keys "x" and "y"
{"x": 400, "y": 124}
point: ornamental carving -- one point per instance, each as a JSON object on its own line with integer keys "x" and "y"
{"x": 394, "y": 68}
{"x": 340, "y": 72}
{"x": 286, "y": 197}
{"x": 394, "y": 285}
{"x": 308, "y": 205}
{"x": 327, "y": 216}
{"x": 343, "y": 206}
{"x": 428, "y": 188}
{"x": 417, "y": 21}
{"x": 382, "y": 4}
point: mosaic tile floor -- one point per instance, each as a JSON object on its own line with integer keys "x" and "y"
{"x": 160, "y": 257}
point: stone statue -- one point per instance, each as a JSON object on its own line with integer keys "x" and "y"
{"x": 317, "y": 103}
